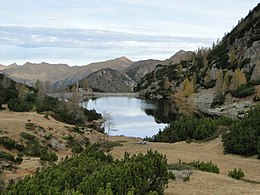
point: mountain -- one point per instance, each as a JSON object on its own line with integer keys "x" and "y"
{"x": 179, "y": 56}
{"x": 230, "y": 67}
{"x": 2, "y": 67}
{"x": 30, "y": 72}
{"x": 109, "y": 80}
{"x": 118, "y": 64}
{"x": 63, "y": 73}
{"x": 139, "y": 69}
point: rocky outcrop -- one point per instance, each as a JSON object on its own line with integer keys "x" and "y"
{"x": 178, "y": 57}
{"x": 204, "y": 99}
{"x": 139, "y": 69}
{"x": 253, "y": 53}
{"x": 108, "y": 80}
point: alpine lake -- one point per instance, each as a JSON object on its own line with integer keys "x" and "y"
{"x": 134, "y": 117}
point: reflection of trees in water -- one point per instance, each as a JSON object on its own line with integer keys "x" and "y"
{"x": 163, "y": 111}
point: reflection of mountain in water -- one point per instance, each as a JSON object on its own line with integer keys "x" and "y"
{"x": 163, "y": 111}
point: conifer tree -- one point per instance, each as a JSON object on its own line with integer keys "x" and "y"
{"x": 225, "y": 86}
{"x": 219, "y": 81}
{"x": 238, "y": 79}
{"x": 23, "y": 92}
{"x": 232, "y": 56}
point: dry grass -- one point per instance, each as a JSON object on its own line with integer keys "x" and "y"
{"x": 201, "y": 182}
{"x": 13, "y": 123}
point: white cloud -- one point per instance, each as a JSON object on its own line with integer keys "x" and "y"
{"x": 102, "y": 29}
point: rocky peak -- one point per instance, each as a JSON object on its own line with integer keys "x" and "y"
{"x": 109, "y": 80}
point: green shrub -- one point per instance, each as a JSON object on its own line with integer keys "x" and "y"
{"x": 48, "y": 156}
{"x": 210, "y": 84}
{"x": 7, "y": 156}
{"x": 243, "y": 91}
{"x": 48, "y": 136}
{"x": 254, "y": 82}
{"x": 93, "y": 171}
{"x": 19, "y": 105}
{"x": 107, "y": 145}
{"x": 190, "y": 129}
{"x": 8, "y": 143}
{"x": 218, "y": 100}
{"x": 186, "y": 178}
{"x": 236, "y": 174}
{"x": 243, "y": 136}
{"x": 203, "y": 166}
{"x": 75, "y": 146}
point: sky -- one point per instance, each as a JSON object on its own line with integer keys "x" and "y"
{"x": 78, "y": 32}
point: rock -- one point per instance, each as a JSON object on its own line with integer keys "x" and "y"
{"x": 204, "y": 99}
{"x": 108, "y": 80}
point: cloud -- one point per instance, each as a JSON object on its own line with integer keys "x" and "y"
{"x": 78, "y": 32}
{"x": 81, "y": 44}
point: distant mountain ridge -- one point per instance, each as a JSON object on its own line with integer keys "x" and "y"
{"x": 118, "y": 64}
{"x": 30, "y": 72}
{"x": 62, "y": 75}
{"x": 139, "y": 69}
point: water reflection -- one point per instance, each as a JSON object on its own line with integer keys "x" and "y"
{"x": 135, "y": 117}
{"x": 164, "y": 111}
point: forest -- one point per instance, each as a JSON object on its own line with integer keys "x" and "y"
{"x": 22, "y": 98}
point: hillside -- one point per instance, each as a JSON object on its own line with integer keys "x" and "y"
{"x": 62, "y": 74}
{"x": 139, "y": 69}
{"x": 117, "y": 64}
{"x": 200, "y": 182}
{"x": 14, "y": 125}
{"x": 2, "y": 67}
{"x": 38, "y": 132}
{"x": 228, "y": 70}
{"x": 30, "y": 72}
{"x": 108, "y": 80}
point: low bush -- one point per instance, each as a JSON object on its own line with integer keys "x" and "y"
{"x": 243, "y": 136}
{"x": 10, "y": 157}
{"x": 107, "y": 145}
{"x": 19, "y": 105}
{"x": 48, "y": 156}
{"x": 203, "y": 166}
{"x": 210, "y": 84}
{"x": 218, "y": 100}
{"x": 74, "y": 145}
{"x": 8, "y": 143}
{"x": 236, "y": 174}
{"x": 7, "y": 156}
{"x": 243, "y": 91}
{"x": 93, "y": 171}
{"x": 191, "y": 129}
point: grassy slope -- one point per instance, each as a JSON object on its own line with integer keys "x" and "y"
{"x": 12, "y": 124}
{"x": 201, "y": 182}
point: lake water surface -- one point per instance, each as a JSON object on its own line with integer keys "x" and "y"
{"x": 133, "y": 116}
